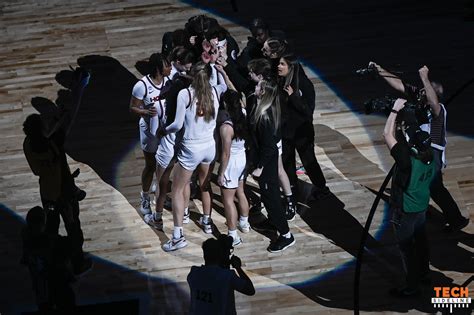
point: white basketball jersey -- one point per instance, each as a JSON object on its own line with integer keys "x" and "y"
{"x": 151, "y": 97}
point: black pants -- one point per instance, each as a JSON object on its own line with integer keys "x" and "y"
{"x": 441, "y": 195}
{"x": 270, "y": 195}
{"x": 69, "y": 212}
{"x": 304, "y": 144}
{"x": 413, "y": 245}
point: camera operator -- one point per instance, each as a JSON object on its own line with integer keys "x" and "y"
{"x": 431, "y": 93}
{"x": 213, "y": 284}
{"x": 410, "y": 196}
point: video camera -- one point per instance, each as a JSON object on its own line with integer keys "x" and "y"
{"x": 416, "y": 110}
{"x": 226, "y": 250}
{"x": 414, "y": 113}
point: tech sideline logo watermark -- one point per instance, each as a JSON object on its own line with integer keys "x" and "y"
{"x": 452, "y": 298}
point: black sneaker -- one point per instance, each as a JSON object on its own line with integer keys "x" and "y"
{"x": 281, "y": 244}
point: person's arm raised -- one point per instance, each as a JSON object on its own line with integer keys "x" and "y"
{"x": 389, "y": 130}
{"x": 431, "y": 96}
{"x": 394, "y": 81}
{"x": 247, "y": 288}
{"x": 223, "y": 80}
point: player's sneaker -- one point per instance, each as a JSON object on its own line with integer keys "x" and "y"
{"x": 186, "y": 216}
{"x": 237, "y": 241}
{"x": 244, "y": 227}
{"x": 145, "y": 207}
{"x": 206, "y": 226}
{"x": 151, "y": 220}
{"x": 174, "y": 244}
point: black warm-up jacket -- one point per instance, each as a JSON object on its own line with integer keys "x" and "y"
{"x": 297, "y": 109}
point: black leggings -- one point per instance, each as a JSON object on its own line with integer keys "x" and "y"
{"x": 304, "y": 144}
{"x": 270, "y": 195}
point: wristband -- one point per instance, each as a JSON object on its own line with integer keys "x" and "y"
{"x": 394, "y": 111}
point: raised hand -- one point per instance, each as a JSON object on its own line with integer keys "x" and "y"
{"x": 423, "y": 72}
{"x": 288, "y": 89}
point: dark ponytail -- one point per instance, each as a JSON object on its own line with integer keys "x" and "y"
{"x": 231, "y": 102}
{"x": 182, "y": 54}
{"x": 155, "y": 65}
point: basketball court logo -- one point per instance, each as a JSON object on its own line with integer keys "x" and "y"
{"x": 452, "y": 298}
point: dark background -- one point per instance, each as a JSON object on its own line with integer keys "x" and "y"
{"x": 336, "y": 37}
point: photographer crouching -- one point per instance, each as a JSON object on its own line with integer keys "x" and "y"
{"x": 410, "y": 194}
{"x": 213, "y": 284}
{"x": 430, "y": 94}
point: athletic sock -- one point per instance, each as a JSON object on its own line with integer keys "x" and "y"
{"x": 233, "y": 233}
{"x": 177, "y": 232}
{"x": 243, "y": 219}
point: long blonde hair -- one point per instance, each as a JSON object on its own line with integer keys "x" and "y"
{"x": 269, "y": 99}
{"x": 201, "y": 72}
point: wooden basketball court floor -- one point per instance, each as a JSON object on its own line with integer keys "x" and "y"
{"x": 41, "y": 38}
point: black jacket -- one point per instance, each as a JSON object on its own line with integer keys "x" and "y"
{"x": 297, "y": 109}
{"x": 253, "y": 49}
{"x": 266, "y": 140}
{"x": 242, "y": 84}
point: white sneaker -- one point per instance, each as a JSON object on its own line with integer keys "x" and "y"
{"x": 186, "y": 216}
{"x": 206, "y": 226}
{"x": 174, "y": 244}
{"x": 237, "y": 241}
{"x": 244, "y": 227}
{"x": 145, "y": 207}
{"x": 152, "y": 221}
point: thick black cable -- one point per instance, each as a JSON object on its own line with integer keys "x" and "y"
{"x": 363, "y": 240}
